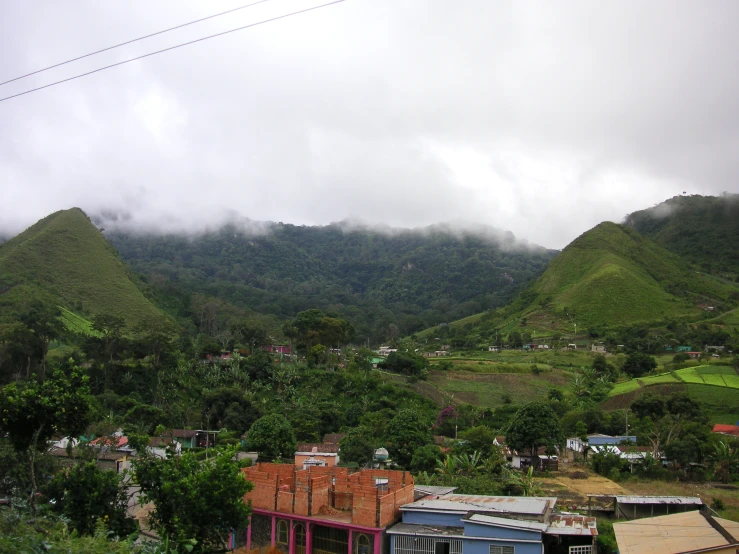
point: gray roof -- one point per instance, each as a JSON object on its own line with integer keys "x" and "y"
{"x": 690, "y": 500}
{"x": 505, "y": 522}
{"x": 433, "y": 489}
{"x": 436, "y": 530}
{"x": 463, "y": 503}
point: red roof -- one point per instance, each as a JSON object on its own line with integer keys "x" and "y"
{"x": 118, "y": 442}
{"x": 726, "y": 429}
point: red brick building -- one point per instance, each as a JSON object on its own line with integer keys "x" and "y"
{"x": 323, "y": 510}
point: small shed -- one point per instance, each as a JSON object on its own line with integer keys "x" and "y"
{"x": 634, "y": 507}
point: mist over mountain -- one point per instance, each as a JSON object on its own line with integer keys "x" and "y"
{"x": 702, "y": 229}
{"x": 388, "y": 281}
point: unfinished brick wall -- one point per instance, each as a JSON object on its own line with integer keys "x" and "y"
{"x": 290, "y": 490}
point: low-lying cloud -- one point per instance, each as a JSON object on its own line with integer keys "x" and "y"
{"x": 539, "y": 118}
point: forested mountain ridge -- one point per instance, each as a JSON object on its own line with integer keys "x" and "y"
{"x": 701, "y": 229}
{"x": 387, "y": 282}
{"x": 64, "y": 259}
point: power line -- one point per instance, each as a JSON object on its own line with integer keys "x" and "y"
{"x": 134, "y": 40}
{"x": 171, "y": 48}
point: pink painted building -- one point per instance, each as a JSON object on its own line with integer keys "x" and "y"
{"x": 323, "y": 510}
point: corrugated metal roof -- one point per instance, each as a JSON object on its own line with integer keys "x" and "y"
{"x": 463, "y": 503}
{"x": 572, "y": 524}
{"x": 509, "y": 523}
{"x": 689, "y": 500}
{"x": 434, "y": 530}
{"x": 433, "y": 489}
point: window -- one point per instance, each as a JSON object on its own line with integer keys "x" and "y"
{"x": 502, "y": 549}
{"x": 299, "y": 539}
{"x": 283, "y": 536}
{"x": 363, "y": 544}
{"x": 441, "y": 547}
{"x": 581, "y": 549}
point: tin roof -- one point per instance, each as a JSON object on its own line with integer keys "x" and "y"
{"x": 505, "y": 522}
{"x": 572, "y": 524}
{"x": 432, "y": 489}
{"x": 673, "y": 534}
{"x": 689, "y": 500}
{"x": 435, "y": 530}
{"x": 463, "y": 503}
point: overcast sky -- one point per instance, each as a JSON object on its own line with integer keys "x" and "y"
{"x": 542, "y": 118}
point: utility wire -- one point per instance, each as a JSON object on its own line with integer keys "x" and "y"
{"x": 172, "y": 48}
{"x": 131, "y": 41}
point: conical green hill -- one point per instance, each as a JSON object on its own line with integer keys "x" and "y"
{"x": 613, "y": 275}
{"x": 64, "y": 257}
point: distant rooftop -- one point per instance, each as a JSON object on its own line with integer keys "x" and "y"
{"x": 686, "y": 500}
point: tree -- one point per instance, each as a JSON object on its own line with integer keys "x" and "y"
{"x": 534, "y": 425}
{"x": 156, "y": 337}
{"x": 725, "y": 459}
{"x": 32, "y": 412}
{"x": 425, "y": 458}
{"x": 406, "y": 363}
{"x": 87, "y": 494}
{"x": 405, "y": 433}
{"x": 272, "y": 436}
{"x": 44, "y": 324}
{"x": 110, "y": 328}
{"x": 194, "y": 499}
{"x": 515, "y": 340}
{"x": 637, "y": 364}
{"x": 358, "y": 446}
{"x": 227, "y": 407}
{"x": 477, "y": 439}
{"x": 648, "y": 405}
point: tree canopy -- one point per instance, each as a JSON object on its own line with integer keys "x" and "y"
{"x": 533, "y": 426}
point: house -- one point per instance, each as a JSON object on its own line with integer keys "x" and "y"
{"x": 158, "y": 446}
{"x": 282, "y": 349}
{"x": 571, "y": 347}
{"x": 598, "y": 348}
{"x": 435, "y": 354}
{"x": 575, "y": 445}
{"x": 386, "y": 350}
{"x": 689, "y": 532}
{"x": 721, "y": 429}
{"x": 540, "y": 460}
{"x": 492, "y": 348}
{"x": 317, "y": 454}
{"x": 683, "y": 349}
{"x": 113, "y": 460}
{"x": 474, "y": 524}
{"x": 694, "y": 355}
{"x": 193, "y": 438}
{"x": 326, "y": 510}
{"x": 542, "y": 346}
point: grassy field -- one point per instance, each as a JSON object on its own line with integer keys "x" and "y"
{"x": 66, "y": 257}
{"x": 76, "y": 323}
{"x": 707, "y": 374}
{"x": 714, "y": 386}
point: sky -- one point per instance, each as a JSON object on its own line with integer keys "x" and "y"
{"x": 542, "y": 118}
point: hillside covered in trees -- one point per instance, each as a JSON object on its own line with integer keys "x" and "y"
{"x": 701, "y": 229}
{"x": 387, "y": 283}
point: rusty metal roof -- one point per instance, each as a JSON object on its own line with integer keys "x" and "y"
{"x": 686, "y": 500}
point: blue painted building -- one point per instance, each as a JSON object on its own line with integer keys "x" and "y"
{"x": 469, "y": 524}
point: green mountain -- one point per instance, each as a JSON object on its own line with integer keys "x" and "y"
{"x": 613, "y": 276}
{"x": 65, "y": 259}
{"x": 387, "y": 282}
{"x": 701, "y": 229}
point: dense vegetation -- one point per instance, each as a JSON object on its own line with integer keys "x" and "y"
{"x": 387, "y": 284}
{"x": 701, "y": 229}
